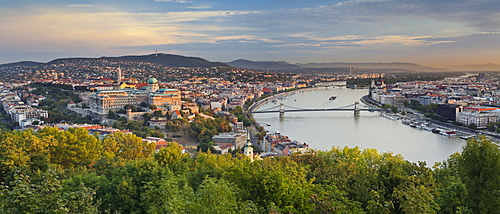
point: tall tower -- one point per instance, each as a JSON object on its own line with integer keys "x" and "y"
{"x": 248, "y": 150}
{"x": 119, "y": 79}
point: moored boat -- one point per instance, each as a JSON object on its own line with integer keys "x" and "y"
{"x": 465, "y": 137}
{"x": 437, "y": 130}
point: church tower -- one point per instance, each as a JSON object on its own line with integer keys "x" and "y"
{"x": 248, "y": 150}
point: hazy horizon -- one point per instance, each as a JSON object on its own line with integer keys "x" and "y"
{"x": 424, "y": 32}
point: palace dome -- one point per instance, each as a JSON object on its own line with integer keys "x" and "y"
{"x": 152, "y": 80}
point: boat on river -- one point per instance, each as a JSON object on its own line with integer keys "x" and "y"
{"x": 465, "y": 137}
{"x": 389, "y": 116}
{"x": 332, "y": 98}
{"x": 437, "y": 130}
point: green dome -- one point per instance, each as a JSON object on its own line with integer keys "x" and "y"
{"x": 152, "y": 80}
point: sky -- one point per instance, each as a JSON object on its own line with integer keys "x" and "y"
{"x": 427, "y": 32}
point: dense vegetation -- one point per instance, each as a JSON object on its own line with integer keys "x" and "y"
{"x": 50, "y": 171}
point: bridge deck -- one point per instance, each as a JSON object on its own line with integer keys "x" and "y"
{"x": 333, "y": 109}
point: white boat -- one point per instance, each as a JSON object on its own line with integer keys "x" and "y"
{"x": 465, "y": 137}
{"x": 389, "y": 116}
{"x": 425, "y": 127}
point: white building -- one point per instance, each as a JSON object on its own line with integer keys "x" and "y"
{"x": 479, "y": 116}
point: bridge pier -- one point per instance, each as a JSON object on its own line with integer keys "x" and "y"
{"x": 356, "y": 108}
{"x": 282, "y": 110}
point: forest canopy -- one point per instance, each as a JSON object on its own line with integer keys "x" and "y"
{"x": 51, "y": 171}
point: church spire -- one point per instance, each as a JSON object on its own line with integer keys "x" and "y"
{"x": 248, "y": 150}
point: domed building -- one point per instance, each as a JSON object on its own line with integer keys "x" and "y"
{"x": 153, "y": 84}
{"x": 101, "y": 102}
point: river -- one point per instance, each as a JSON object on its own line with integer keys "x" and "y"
{"x": 324, "y": 130}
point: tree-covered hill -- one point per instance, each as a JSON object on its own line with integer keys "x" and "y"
{"x": 169, "y": 60}
{"x": 51, "y": 171}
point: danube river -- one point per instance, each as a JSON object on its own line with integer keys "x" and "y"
{"x": 324, "y": 130}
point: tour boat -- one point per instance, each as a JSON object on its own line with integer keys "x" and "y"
{"x": 465, "y": 137}
{"x": 451, "y": 133}
{"x": 436, "y": 130}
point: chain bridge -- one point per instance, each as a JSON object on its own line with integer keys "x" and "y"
{"x": 282, "y": 108}
{"x": 330, "y": 84}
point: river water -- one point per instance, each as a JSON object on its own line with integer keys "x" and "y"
{"x": 324, "y": 130}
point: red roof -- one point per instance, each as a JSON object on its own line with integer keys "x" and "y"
{"x": 481, "y": 108}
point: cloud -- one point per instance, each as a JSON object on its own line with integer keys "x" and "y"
{"x": 176, "y": 1}
{"x": 85, "y": 30}
{"x": 360, "y": 40}
{"x": 200, "y": 7}
{"x": 480, "y": 14}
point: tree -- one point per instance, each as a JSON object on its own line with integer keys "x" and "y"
{"x": 214, "y": 196}
{"x": 171, "y": 156}
{"x": 45, "y": 194}
{"x": 112, "y": 115}
{"x": 127, "y": 146}
{"x": 72, "y": 148}
{"x": 472, "y": 126}
{"x": 478, "y": 168}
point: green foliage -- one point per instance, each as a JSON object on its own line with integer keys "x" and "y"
{"x": 394, "y": 109}
{"x": 426, "y": 109}
{"x": 171, "y": 157}
{"x": 204, "y": 129}
{"x": 52, "y": 171}
{"x": 472, "y": 126}
{"x": 45, "y": 194}
{"x": 127, "y": 147}
{"x": 478, "y": 169}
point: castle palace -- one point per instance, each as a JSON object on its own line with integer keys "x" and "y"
{"x": 101, "y": 102}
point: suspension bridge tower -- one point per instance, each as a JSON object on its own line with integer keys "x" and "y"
{"x": 356, "y": 108}
{"x": 282, "y": 110}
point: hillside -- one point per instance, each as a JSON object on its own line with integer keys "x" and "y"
{"x": 23, "y": 63}
{"x": 475, "y": 67}
{"x": 263, "y": 65}
{"x": 333, "y": 67}
{"x": 373, "y": 66}
{"x": 168, "y": 60}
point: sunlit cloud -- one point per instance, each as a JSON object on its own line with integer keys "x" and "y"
{"x": 114, "y": 29}
{"x": 352, "y": 28}
{"x": 483, "y": 15}
{"x": 358, "y": 40}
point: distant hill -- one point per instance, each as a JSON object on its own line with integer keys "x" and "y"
{"x": 23, "y": 63}
{"x": 263, "y": 65}
{"x": 333, "y": 67}
{"x": 169, "y": 60}
{"x": 476, "y": 67}
{"x": 374, "y": 66}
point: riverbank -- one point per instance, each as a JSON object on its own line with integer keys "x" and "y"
{"x": 324, "y": 130}
{"x": 254, "y": 129}
{"x": 264, "y": 101}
